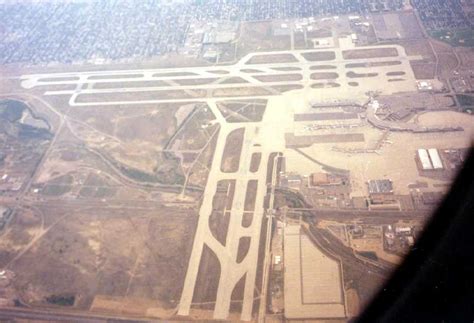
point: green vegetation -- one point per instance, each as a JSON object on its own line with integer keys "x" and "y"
{"x": 137, "y": 174}
{"x": 368, "y": 254}
{"x": 168, "y": 171}
{"x": 11, "y": 110}
{"x": 293, "y": 200}
{"x": 61, "y": 300}
{"x": 97, "y": 192}
{"x": 455, "y": 37}
{"x": 55, "y": 190}
{"x": 67, "y": 179}
{"x": 466, "y": 102}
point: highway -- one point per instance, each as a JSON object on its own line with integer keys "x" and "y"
{"x": 60, "y": 315}
{"x": 268, "y": 255}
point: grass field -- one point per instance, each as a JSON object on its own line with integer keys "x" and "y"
{"x": 455, "y": 37}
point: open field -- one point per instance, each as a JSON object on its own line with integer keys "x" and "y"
{"x": 313, "y": 280}
{"x": 279, "y": 77}
{"x": 233, "y": 147}
{"x": 319, "y": 56}
{"x": 78, "y": 245}
{"x": 258, "y": 36}
{"x": 456, "y": 37}
{"x": 369, "y": 53}
{"x": 322, "y": 67}
{"x": 325, "y": 85}
{"x": 272, "y": 58}
{"x": 324, "y": 76}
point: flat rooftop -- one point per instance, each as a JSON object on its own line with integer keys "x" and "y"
{"x": 380, "y": 186}
{"x": 313, "y": 280}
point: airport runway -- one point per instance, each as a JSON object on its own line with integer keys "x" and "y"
{"x": 200, "y": 84}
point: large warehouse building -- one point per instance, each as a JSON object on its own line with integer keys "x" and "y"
{"x": 430, "y": 159}
{"x": 435, "y": 159}
{"x": 424, "y": 159}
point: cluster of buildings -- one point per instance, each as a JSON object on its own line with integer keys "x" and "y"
{"x": 97, "y": 31}
{"x": 277, "y": 9}
{"x": 90, "y": 32}
{"x": 445, "y": 14}
{"x": 206, "y": 38}
{"x": 398, "y": 239}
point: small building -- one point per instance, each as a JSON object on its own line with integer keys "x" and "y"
{"x": 211, "y": 54}
{"x": 277, "y": 260}
{"x": 424, "y": 86}
{"x": 380, "y": 186}
{"x": 292, "y": 181}
{"x": 318, "y": 179}
{"x": 403, "y": 230}
{"x": 356, "y": 231}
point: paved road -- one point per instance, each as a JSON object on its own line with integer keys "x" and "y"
{"x": 35, "y": 315}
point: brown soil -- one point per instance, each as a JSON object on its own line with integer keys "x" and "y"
{"x": 285, "y": 88}
{"x": 360, "y": 75}
{"x": 244, "y": 245}
{"x": 279, "y": 77}
{"x": 59, "y": 79}
{"x": 240, "y": 91}
{"x": 319, "y": 56}
{"x": 238, "y": 295}
{"x": 322, "y": 67}
{"x": 325, "y": 85}
{"x": 119, "y": 76}
{"x": 197, "y": 81}
{"x": 231, "y": 156}
{"x": 255, "y": 162}
{"x": 233, "y": 80}
{"x": 114, "y": 85}
{"x": 207, "y": 280}
{"x": 373, "y": 64}
{"x": 134, "y": 96}
{"x": 422, "y": 70}
{"x": 370, "y": 53}
{"x": 219, "y": 225}
{"x": 398, "y": 73}
{"x": 171, "y": 74}
{"x": 272, "y": 58}
{"x": 324, "y": 76}
{"x": 247, "y": 219}
{"x": 251, "y": 195}
{"x": 286, "y": 69}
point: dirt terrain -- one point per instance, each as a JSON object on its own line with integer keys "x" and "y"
{"x": 84, "y": 245}
{"x": 233, "y": 147}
